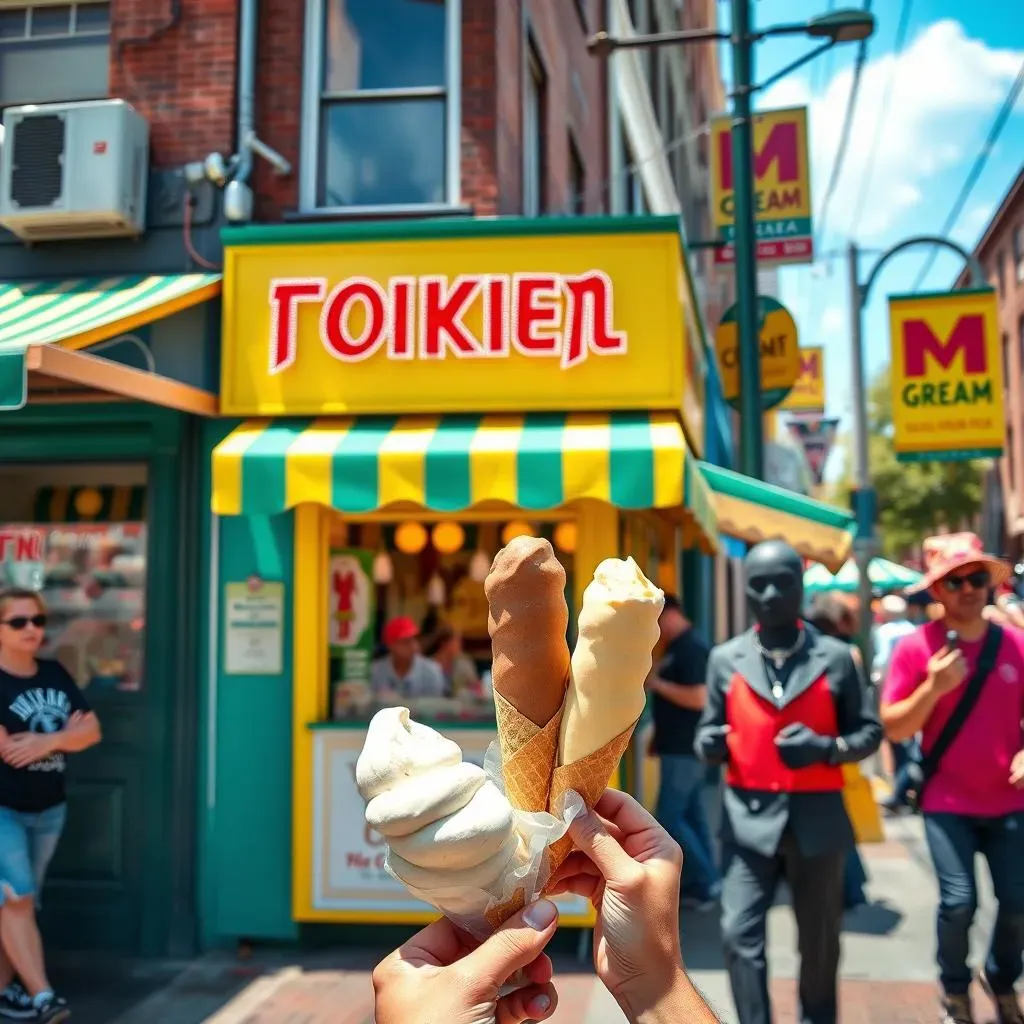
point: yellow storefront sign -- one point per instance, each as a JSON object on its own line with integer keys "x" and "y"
{"x": 782, "y": 187}
{"x": 947, "y": 376}
{"x": 808, "y": 393}
{"x": 473, "y": 316}
{"x": 780, "y": 353}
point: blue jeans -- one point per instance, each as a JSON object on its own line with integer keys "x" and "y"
{"x": 27, "y": 845}
{"x": 681, "y": 811}
{"x": 953, "y": 841}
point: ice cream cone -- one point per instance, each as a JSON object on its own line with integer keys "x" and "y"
{"x": 529, "y": 755}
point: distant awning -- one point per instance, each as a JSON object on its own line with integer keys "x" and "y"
{"x": 79, "y": 312}
{"x": 452, "y": 463}
{"x": 753, "y": 511}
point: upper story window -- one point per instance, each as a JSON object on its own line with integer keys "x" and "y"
{"x": 53, "y": 53}
{"x": 1018, "y": 253}
{"x": 381, "y": 116}
{"x": 534, "y": 133}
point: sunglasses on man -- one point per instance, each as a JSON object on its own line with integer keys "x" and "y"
{"x": 978, "y": 580}
{"x": 20, "y": 622}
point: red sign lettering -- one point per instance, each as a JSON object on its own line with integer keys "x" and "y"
{"x": 809, "y": 365}
{"x": 21, "y": 546}
{"x": 780, "y": 147}
{"x": 968, "y": 336}
{"x": 535, "y": 314}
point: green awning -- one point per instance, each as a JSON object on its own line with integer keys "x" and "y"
{"x": 78, "y": 312}
{"x": 452, "y": 463}
{"x": 753, "y": 511}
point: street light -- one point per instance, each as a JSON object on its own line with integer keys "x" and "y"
{"x": 837, "y": 27}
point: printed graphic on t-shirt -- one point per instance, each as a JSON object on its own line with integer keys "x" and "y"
{"x": 43, "y": 710}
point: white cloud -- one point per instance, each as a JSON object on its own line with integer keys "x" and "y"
{"x": 935, "y": 115}
{"x": 833, "y": 321}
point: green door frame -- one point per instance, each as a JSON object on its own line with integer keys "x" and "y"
{"x": 169, "y": 443}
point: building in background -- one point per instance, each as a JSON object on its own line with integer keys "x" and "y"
{"x": 1000, "y": 251}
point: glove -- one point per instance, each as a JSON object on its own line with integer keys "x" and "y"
{"x": 711, "y": 744}
{"x": 800, "y": 747}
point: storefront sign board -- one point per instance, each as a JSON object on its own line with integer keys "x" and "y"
{"x": 947, "y": 376}
{"x": 483, "y": 316}
{"x": 782, "y": 187}
{"x": 254, "y": 628}
{"x": 808, "y": 393}
{"x": 780, "y": 353}
{"x": 349, "y": 879}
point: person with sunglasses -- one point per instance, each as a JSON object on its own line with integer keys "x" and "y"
{"x": 43, "y": 717}
{"x": 958, "y": 681}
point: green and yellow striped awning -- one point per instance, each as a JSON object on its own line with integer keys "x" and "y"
{"x": 452, "y": 463}
{"x": 82, "y": 311}
{"x": 753, "y": 511}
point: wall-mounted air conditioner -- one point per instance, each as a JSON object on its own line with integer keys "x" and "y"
{"x": 74, "y": 170}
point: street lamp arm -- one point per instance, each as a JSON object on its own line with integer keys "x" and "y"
{"x": 977, "y": 273}
{"x": 790, "y": 68}
{"x": 601, "y": 44}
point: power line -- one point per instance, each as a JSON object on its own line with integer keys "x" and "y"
{"x": 844, "y": 137}
{"x": 869, "y": 167}
{"x": 822, "y": 78}
{"x": 976, "y": 171}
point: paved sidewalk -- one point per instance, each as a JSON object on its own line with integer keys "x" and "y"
{"x": 887, "y": 974}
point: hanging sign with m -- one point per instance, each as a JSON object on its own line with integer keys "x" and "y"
{"x": 782, "y": 187}
{"x": 947, "y": 376}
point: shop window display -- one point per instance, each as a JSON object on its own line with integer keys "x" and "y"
{"x": 408, "y": 614}
{"x": 77, "y": 534}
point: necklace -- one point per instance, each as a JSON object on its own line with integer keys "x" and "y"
{"x": 778, "y": 657}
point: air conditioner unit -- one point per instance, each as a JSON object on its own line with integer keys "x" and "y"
{"x": 74, "y": 170}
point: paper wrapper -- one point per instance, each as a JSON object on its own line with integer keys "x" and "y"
{"x": 479, "y": 911}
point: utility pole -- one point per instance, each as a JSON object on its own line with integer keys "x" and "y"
{"x": 748, "y": 319}
{"x": 864, "y": 494}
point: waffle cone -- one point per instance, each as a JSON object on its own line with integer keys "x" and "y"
{"x": 589, "y": 776}
{"x": 528, "y": 756}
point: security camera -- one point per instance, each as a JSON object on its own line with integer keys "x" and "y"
{"x": 216, "y": 170}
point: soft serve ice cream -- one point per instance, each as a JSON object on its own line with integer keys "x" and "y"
{"x": 450, "y": 830}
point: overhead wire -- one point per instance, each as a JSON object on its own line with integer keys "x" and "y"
{"x": 846, "y": 130}
{"x": 869, "y": 167}
{"x": 976, "y": 170}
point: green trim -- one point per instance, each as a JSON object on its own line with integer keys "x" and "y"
{"x": 941, "y": 295}
{"x": 434, "y": 723}
{"x": 744, "y": 488}
{"x": 964, "y": 455}
{"x": 446, "y": 228}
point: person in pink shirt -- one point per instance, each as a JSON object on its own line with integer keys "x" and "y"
{"x": 972, "y": 799}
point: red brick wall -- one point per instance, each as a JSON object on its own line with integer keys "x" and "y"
{"x": 183, "y": 81}
{"x": 485, "y": 26}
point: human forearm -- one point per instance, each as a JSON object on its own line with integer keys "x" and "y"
{"x": 904, "y": 719}
{"x": 78, "y": 736}
{"x": 693, "y": 698}
{"x": 673, "y": 1003}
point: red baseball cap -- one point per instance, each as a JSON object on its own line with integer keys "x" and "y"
{"x": 402, "y": 628}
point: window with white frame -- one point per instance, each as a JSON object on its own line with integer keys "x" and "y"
{"x": 1018, "y": 253}
{"x": 51, "y": 53}
{"x": 533, "y": 133}
{"x": 381, "y": 118}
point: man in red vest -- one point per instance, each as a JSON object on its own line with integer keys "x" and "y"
{"x": 786, "y": 707}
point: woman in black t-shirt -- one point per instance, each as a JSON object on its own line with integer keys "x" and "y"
{"x": 43, "y": 717}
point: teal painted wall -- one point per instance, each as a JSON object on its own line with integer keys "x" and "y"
{"x": 246, "y": 750}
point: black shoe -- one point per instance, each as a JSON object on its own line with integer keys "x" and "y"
{"x": 51, "y": 1010}
{"x": 16, "y": 1003}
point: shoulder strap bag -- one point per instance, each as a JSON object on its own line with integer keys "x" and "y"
{"x": 923, "y": 768}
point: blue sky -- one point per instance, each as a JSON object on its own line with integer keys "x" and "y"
{"x": 947, "y": 84}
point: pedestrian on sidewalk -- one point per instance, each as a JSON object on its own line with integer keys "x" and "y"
{"x": 959, "y": 681}
{"x": 677, "y": 683}
{"x": 787, "y": 708}
{"x": 637, "y": 952}
{"x": 43, "y": 717}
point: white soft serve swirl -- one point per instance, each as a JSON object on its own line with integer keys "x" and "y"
{"x": 447, "y": 825}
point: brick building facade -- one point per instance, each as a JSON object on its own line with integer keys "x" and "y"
{"x": 1000, "y": 252}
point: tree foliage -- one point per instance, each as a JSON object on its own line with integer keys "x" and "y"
{"x": 915, "y": 499}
